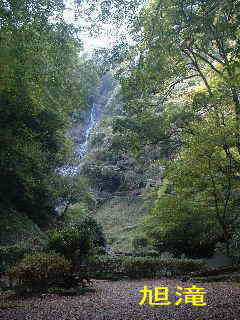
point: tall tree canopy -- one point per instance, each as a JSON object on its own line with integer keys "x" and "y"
{"x": 179, "y": 45}
{"x": 42, "y": 83}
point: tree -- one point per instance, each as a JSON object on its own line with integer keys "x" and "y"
{"x": 41, "y": 85}
{"x": 70, "y": 190}
{"x": 181, "y": 225}
{"x": 203, "y": 176}
{"x": 180, "y": 44}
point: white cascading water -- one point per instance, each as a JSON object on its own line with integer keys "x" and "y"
{"x": 82, "y": 149}
{"x": 97, "y": 108}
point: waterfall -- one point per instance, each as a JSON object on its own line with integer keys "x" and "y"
{"x": 101, "y": 95}
{"x": 73, "y": 168}
{"x": 82, "y": 149}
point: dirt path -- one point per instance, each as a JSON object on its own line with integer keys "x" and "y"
{"x": 120, "y": 300}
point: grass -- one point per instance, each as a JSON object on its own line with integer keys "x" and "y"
{"x": 120, "y": 217}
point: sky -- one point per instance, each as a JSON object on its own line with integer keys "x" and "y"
{"x": 90, "y": 43}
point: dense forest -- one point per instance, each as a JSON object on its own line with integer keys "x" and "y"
{"x": 177, "y": 122}
{"x": 188, "y": 69}
{"x": 44, "y": 83}
{"x": 133, "y": 147}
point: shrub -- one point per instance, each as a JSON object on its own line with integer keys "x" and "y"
{"x": 10, "y": 255}
{"x": 141, "y": 267}
{"x": 36, "y": 272}
{"x": 72, "y": 242}
{"x": 138, "y": 267}
{"x": 140, "y": 242}
{"x": 105, "y": 264}
{"x": 146, "y": 252}
{"x": 76, "y": 241}
{"x": 91, "y": 226}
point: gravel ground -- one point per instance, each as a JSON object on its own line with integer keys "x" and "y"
{"x": 120, "y": 301}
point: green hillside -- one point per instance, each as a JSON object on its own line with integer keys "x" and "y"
{"x": 120, "y": 217}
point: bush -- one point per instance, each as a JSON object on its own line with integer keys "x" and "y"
{"x": 76, "y": 241}
{"x": 234, "y": 246}
{"x": 138, "y": 267}
{"x": 105, "y": 264}
{"x": 140, "y": 242}
{"x": 10, "y": 255}
{"x": 141, "y": 267}
{"x": 91, "y": 226}
{"x": 146, "y": 252}
{"x": 37, "y": 272}
{"x": 72, "y": 242}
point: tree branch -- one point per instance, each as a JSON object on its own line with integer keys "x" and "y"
{"x": 195, "y": 64}
{"x": 205, "y": 60}
{"x": 210, "y": 55}
{"x": 172, "y": 85}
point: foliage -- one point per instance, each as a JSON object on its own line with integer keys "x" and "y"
{"x": 10, "y": 255}
{"x": 204, "y": 182}
{"x": 17, "y": 228}
{"x": 110, "y": 164}
{"x": 75, "y": 213}
{"x": 38, "y": 97}
{"x": 77, "y": 239}
{"x": 91, "y": 226}
{"x": 202, "y": 126}
{"x": 72, "y": 242}
{"x": 234, "y": 245}
{"x": 105, "y": 264}
{"x": 101, "y": 170}
{"x": 139, "y": 267}
{"x": 180, "y": 96}
{"x": 139, "y": 242}
{"x": 70, "y": 190}
{"x": 182, "y": 226}
{"x": 36, "y": 272}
